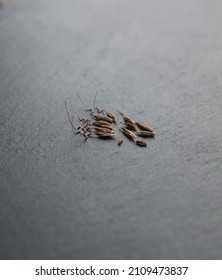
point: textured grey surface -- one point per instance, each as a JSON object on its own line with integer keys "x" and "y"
{"x": 158, "y": 61}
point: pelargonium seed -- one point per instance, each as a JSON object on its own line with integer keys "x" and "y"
{"x": 145, "y": 133}
{"x": 128, "y": 133}
{"x": 144, "y": 126}
{"x": 141, "y": 143}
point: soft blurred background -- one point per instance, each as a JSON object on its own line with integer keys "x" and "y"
{"x": 157, "y": 61}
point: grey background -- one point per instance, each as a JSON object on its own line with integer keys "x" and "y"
{"x": 157, "y": 61}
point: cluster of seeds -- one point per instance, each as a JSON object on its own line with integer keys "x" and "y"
{"x": 100, "y": 124}
{"x": 132, "y": 130}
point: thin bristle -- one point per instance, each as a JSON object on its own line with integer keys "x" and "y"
{"x": 67, "y": 112}
{"x": 80, "y": 98}
{"x": 94, "y": 101}
{"x": 120, "y": 113}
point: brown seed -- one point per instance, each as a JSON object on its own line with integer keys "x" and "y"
{"x": 144, "y": 126}
{"x": 103, "y": 118}
{"x": 145, "y": 133}
{"x": 99, "y": 123}
{"x": 104, "y": 135}
{"x": 111, "y": 116}
{"x": 104, "y": 126}
{"x": 126, "y": 119}
{"x": 130, "y": 126}
{"x": 104, "y": 130}
{"x": 141, "y": 143}
{"x": 107, "y": 127}
{"x": 128, "y": 133}
{"x": 120, "y": 141}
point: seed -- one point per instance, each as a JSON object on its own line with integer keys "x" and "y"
{"x": 126, "y": 119}
{"x": 111, "y": 116}
{"x": 144, "y": 126}
{"x": 105, "y": 126}
{"x": 120, "y": 142}
{"x": 145, "y": 133}
{"x": 104, "y": 130}
{"x": 104, "y": 135}
{"x": 141, "y": 143}
{"x": 99, "y": 123}
{"x": 130, "y": 126}
{"x": 128, "y": 133}
{"x": 102, "y": 118}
